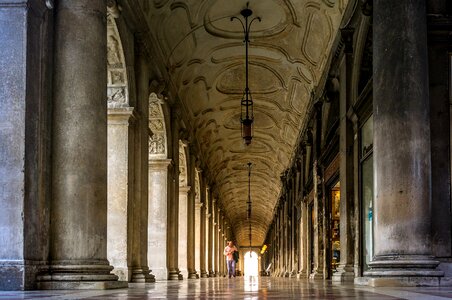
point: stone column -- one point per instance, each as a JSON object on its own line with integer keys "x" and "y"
{"x": 159, "y": 177}
{"x": 120, "y": 137}
{"x": 184, "y": 194}
{"x": 139, "y": 209}
{"x": 202, "y": 233}
{"x": 285, "y": 217}
{"x": 345, "y": 270}
{"x": 173, "y": 203}
{"x": 210, "y": 234}
{"x": 293, "y": 224}
{"x": 217, "y": 241}
{"x": 78, "y": 247}
{"x": 191, "y": 220}
{"x": 439, "y": 49}
{"x": 402, "y": 167}
{"x": 198, "y": 234}
{"x": 318, "y": 199}
{"x": 280, "y": 241}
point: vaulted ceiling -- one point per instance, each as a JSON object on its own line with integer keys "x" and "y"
{"x": 205, "y": 55}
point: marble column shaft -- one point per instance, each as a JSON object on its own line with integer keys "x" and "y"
{"x": 191, "y": 218}
{"x": 78, "y": 249}
{"x": 210, "y": 234}
{"x": 203, "y": 254}
{"x": 402, "y": 166}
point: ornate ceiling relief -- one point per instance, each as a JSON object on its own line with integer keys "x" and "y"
{"x": 317, "y": 35}
{"x": 175, "y": 35}
{"x": 117, "y": 91}
{"x": 205, "y": 56}
{"x": 157, "y": 142}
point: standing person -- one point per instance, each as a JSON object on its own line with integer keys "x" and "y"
{"x": 230, "y": 262}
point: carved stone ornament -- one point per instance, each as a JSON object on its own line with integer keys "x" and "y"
{"x": 182, "y": 166}
{"x": 157, "y": 144}
{"x": 116, "y": 97}
{"x": 117, "y": 91}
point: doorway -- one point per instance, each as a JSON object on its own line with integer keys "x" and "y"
{"x": 334, "y": 232}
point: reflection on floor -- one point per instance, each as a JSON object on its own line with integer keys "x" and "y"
{"x": 242, "y": 288}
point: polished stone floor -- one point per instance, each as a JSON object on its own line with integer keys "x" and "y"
{"x": 240, "y": 288}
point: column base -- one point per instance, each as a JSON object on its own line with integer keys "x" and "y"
{"x": 174, "y": 275}
{"x": 316, "y": 276}
{"x": 302, "y": 275}
{"x": 81, "y": 285}
{"x": 211, "y": 274}
{"x": 193, "y": 275}
{"x": 142, "y": 275}
{"x": 204, "y": 274}
{"x": 344, "y": 274}
{"x": 91, "y": 275}
{"x": 398, "y": 281}
{"x": 406, "y": 270}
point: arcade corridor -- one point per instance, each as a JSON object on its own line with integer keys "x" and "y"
{"x": 238, "y": 288}
{"x": 138, "y": 138}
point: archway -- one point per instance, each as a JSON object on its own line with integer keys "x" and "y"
{"x": 251, "y": 264}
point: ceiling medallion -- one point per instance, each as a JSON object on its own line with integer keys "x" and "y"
{"x": 246, "y": 104}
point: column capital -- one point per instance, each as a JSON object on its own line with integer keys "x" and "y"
{"x": 184, "y": 189}
{"x": 120, "y": 115}
{"x": 160, "y": 163}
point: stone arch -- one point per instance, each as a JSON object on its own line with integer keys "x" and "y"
{"x": 117, "y": 83}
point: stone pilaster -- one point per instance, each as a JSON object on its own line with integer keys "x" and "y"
{"x": 118, "y": 198}
{"x": 184, "y": 194}
{"x": 78, "y": 248}
{"x": 402, "y": 166}
{"x": 25, "y": 118}
{"x": 159, "y": 177}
